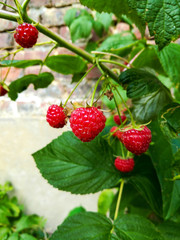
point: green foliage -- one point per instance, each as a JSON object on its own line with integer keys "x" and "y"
{"x": 162, "y": 16}
{"x": 39, "y": 81}
{"x": 148, "y": 94}
{"x": 20, "y": 63}
{"x": 66, "y": 64}
{"x": 88, "y": 225}
{"x": 78, "y": 168}
{"x": 105, "y": 200}
{"x": 14, "y": 224}
{"x": 133, "y": 227}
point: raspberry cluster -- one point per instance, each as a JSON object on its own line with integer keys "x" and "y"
{"x": 124, "y": 165}
{"x": 3, "y": 91}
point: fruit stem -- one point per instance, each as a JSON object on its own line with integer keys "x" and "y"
{"x": 118, "y": 111}
{"x": 114, "y": 62}
{"x": 19, "y": 8}
{"x": 119, "y": 199}
{"x": 78, "y": 84}
{"x": 9, "y": 6}
{"x": 95, "y": 88}
{"x": 8, "y": 69}
{"x": 25, "y": 4}
{"x": 131, "y": 116}
{"x": 122, "y": 150}
{"x": 47, "y": 56}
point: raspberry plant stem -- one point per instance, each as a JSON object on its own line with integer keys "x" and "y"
{"x": 114, "y": 62}
{"x": 9, "y": 6}
{"x": 95, "y": 88}
{"x": 25, "y": 4}
{"x": 78, "y": 84}
{"x": 131, "y": 116}
{"x": 119, "y": 199}
{"x": 110, "y": 54}
{"x": 118, "y": 110}
{"x": 62, "y": 42}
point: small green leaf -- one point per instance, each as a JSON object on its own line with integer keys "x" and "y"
{"x": 3, "y": 219}
{"x": 87, "y": 225}
{"x": 118, "y": 44}
{"x": 105, "y": 200}
{"x": 26, "y": 236}
{"x": 70, "y": 15}
{"x": 29, "y": 222}
{"x": 39, "y": 81}
{"x": 148, "y": 94}
{"x": 98, "y": 28}
{"x": 80, "y": 28}
{"x": 4, "y": 233}
{"x": 134, "y": 227}
{"x": 169, "y": 230}
{"x": 20, "y": 63}
{"x": 76, "y": 211}
{"x": 66, "y": 64}
{"x": 77, "y": 167}
{"x": 77, "y": 76}
{"x": 170, "y": 59}
{"x": 14, "y": 236}
{"x": 105, "y": 19}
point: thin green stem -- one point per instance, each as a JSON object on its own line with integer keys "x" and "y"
{"x": 8, "y": 69}
{"x": 131, "y": 116}
{"x": 78, "y": 84}
{"x": 19, "y": 8}
{"x": 9, "y": 6}
{"x": 114, "y": 62}
{"x": 95, "y": 88}
{"x": 47, "y": 57}
{"x": 119, "y": 199}
{"x": 25, "y": 4}
{"x": 62, "y": 42}
{"x": 118, "y": 110}
{"x": 110, "y": 54}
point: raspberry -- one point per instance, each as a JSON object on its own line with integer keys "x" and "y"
{"x": 26, "y": 35}
{"x": 87, "y": 123}
{"x": 117, "y": 119}
{"x": 3, "y": 91}
{"x": 137, "y": 140}
{"x": 124, "y": 165}
{"x": 56, "y": 116}
{"x": 117, "y": 133}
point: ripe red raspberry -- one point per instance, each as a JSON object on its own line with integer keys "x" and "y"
{"x": 117, "y": 119}
{"x": 56, "y": 116}
{"x": 26, "y": 35}
{"x": 117, "y": 133}
{"x": 3, "y": 91}
{"x": 137, "y": 140}
{"x": 87, "y": 123}
{"x": 124, "y": 165}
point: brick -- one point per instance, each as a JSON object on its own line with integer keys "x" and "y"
{"x": 62, "y": 3}
{"x": 34, "y": 53}
{"x": 44, "y": 38}
{"x": 38, "y": 4}
{"x": 6, "y": 25}
{"x": 64, "y": 32}
{"x": 6, "y": 40}
{"x": 35, "y": 13}
{"x": 53, "y": 16}
{"x": 14, "y": 74}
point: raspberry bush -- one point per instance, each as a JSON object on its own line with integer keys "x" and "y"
{"x": 125, "y": 135}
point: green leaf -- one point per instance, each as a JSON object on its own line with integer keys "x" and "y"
{"x": 26, "y": 236}
{"x": 9, "y": 208}
{"x": 4, "y": 232}
{"x": 77, "y": 76}
{"x": 14, "y": 236}
{"x": 3, "y": 219}
{"x": 105, "y": 19}
{"x": 162, "y": 157}
{"x": 98, "y": 28}
{"x": 39, "y": 81}
{"x": 170, "y": 59}
{"x": 118, "y": 44}
{"x": 66, "y": 64}
{"x": 162, "y": 17}
{"x": 133, "y": 227}
{"x": 105, "y": 200}
{"x": 148, "y": 94}
{"x": 169, "y": 230}
{"x": 29, "y": 222}
{"x": 145, "y": 180}
{"x": 76, "y": 210}
{"x": 20, "y": 63}
{"x": 149, "y": 59}
{"x": 77, "y": 167}
{"x": 88, "y": 225}
{"x": 80, "y": 28}
{"x": 70, "y": 15}
{"x": 171, "y": 116}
